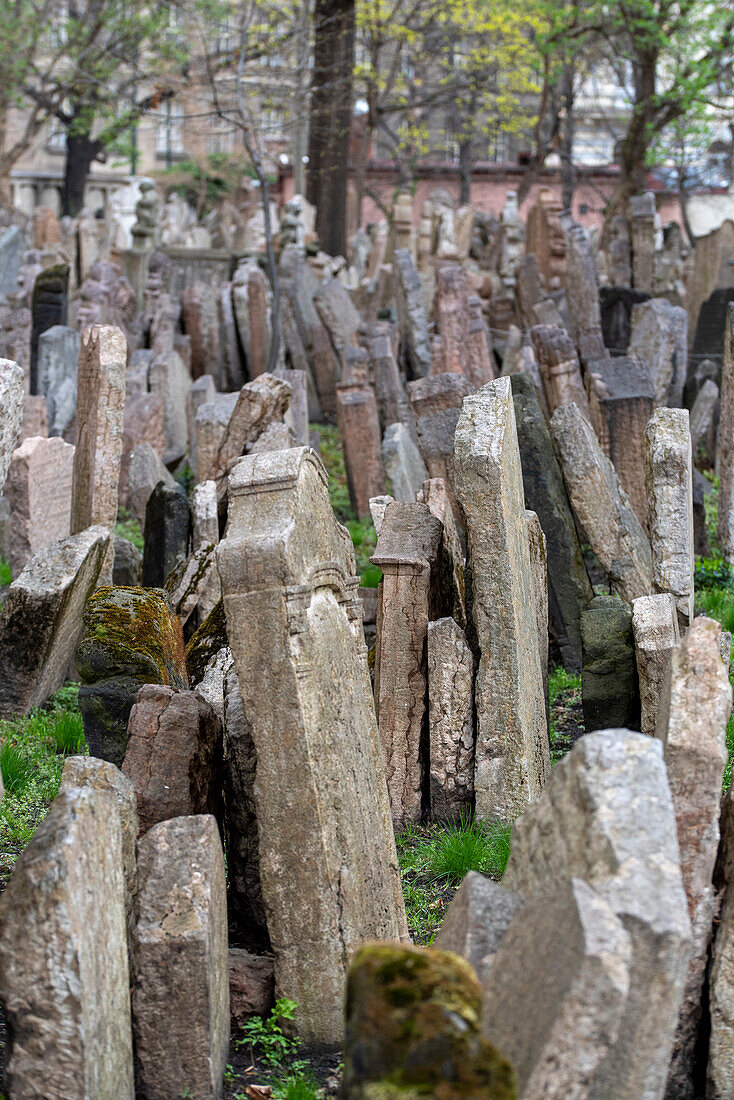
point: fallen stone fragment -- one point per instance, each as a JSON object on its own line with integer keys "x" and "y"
{"x": 476, "y": 921}
{"x": 251, "y": 986}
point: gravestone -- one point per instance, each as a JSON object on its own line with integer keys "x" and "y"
{"x": 66, "y": 993}
{"x": 642, "y": 224}
{"x": 609, "y": 688}
{"x": 204, "y": 518}
{"x": 451, "y": 308}
{"x": 660, "y": 339}
{"x": 582, "y": 291}
{"x": 655, "y": 629}
{"x": 339, "y": 316}
{"x": 127, "y": 568}
{"x": 392, "y": 399}
{"x": 145, "y": 470}
{"x": 435, "y": 495}
{"x": 703, "y": 424}
{"x": 559, "y": 367}
{"x": 48, "y": 308}
{"x": 402, "y": 462}
{"x": 725, "y": 444}
{"x": 721, "y": 972}
{"x": 99, "y": 419}
{"x": 201, "y": 392}
{"x": 12, "y": 386}
{"x": 415, "y": 350}
{"x": 210, "y": 422}
{"x": 40, "y": 621}
{"x": 512, "y": 756}
{"x": 669, "y": 480}
{"x": 259, "y": 404}
{"x": 167, "y": 533}
{"x": 142, "y": 423}
{"x": 200, "y": 315}
{"x": 321, "y": 799}
{"x": 39, "y": 491}
{"x": 479, "y": 366}
{"x": 170, "y": 379}
{"x": 359, "y": 428}
{"x": 436, "y": 402}
{"x": 617, "y": 303}
{"x": 251, "y": 300}
{"x": 58, "y": 356}
{"x": 476, "y": 920}
{"x": 450, "y": 721}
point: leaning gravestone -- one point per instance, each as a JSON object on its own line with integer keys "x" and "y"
{"x": 64, "y": 976}
{"x": 328, "y": 864}
{"x": 512, "y": 755}
{"x": 40, "y": 621}
{"x": 725, "y": 444}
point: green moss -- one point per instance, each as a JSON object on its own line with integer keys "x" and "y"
{"x": 205, "y": 642}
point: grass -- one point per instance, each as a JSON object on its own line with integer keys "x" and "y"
{"x": 434, "y": 860}
{"x": 32, "y": 751}
{"x": 127, "y": 527}
{"x": 5, "y": 576}
{"x": 564, "y": 696}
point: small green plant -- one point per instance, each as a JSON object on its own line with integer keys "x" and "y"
{"x": 5, "y": 575}
{"x": 296, "y": 1086}
{"x": 713, "y": 573}
{"x": 127, "y": 527}
{"x": 564, "y": 694}
{"x": 267, "y": 1040}
{"x": 469, "y": 846}
{"x": 16, "y": 769}
{"x": 717, "y": 603}
{"x": 67, "y": 733}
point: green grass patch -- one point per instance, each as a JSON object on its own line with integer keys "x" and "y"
{"x": 714, "y": 590}
{"x": 5, "y": 575}
{"x": 32, "y": 751}
{"x": 566, "y": 722}
{"x": 127, "y": 527}
{"x": 364, "y": 538}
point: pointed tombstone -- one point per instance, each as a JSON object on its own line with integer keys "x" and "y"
{"x": 180, "y": 995}
{"x": 12, "y": 388}
{"x": 170, "y": 379}
{"x": 378, "y": 507}
{"x": 359, "y": 428}
{"x": 669, "y": 480}
{"x": 296, "y": 416}
{"x": 601, "y": 506}
{"x": 607, "y": 817}
{"x": 328, "y": 864}
{"x": 725, "y": 443}
{"x": 40, "y": 621}
{"x": 512, "y": 755}
{"x": 99, "y": 418}
{"x": 569, "y": 588}
{"x": 558, "y": 1031}
{"x": 655, "y": 628}
{"x": 450, "y": 722}
{"x": 695, "y": 708}
{"x": 415, "y": 348}
{"x": 476, "y": 921}
{"x": 64, "y": 976}
{"x": 39, "y": 491}
{"x": 660, "y": 339}
{"x": 408, "y": 553}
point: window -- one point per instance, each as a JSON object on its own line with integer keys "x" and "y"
{"x": 272, "y": 123}
{"x": 56, "y": 142}
{"x": 169, "y": 132}
{"x": 220, "y": 139}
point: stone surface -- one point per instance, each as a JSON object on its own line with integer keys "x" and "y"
{"x": 407, "y": 552}
{"x": 559, "y": 366}
{"x": 412, "y": 1029}
{"x": 251, "y": 985}
{"x": 180, "y": 994}
{"x": 359, "y": 428}
{"x": 642, "y": 223}
{"x": 35, "y": 417}
{"x": 40, "y": 621}
{"x": 601, "y": 506}
{"x": 660, "y": 339}
{"x": 39, "y": 491}
{"x": 609, "y": 688}
{"x": 412, "y": 321}
{"x": 201, "y": 392}
{"x": 58, "y": 356}
{"x": 655, "y": 629}
{"x": 725, "y": 443}
{"x": 703, "y": 424}
{"x": 403, "y": 463}
{"x": 512, "y": 756}
{"x": 607, "y": 817}
{"x": 127, "y": 568}
{"x": 569, "y": 588}
{"x": 252, "y": 309}
{"x": 131, "y": 638}
{"x": 12, "y": 385}
{"x": 145, "y": 471}
{"x": 582, "y": 291}
{"x": 390, "y": 393}
{"x": 558, "y": 1031}
{"x": 340, "y": 318}
{"x": 142, "y": 423}
{"x": 539, "y": 590}
{"x": 99, "y": 418}
{"x": 66, "y": 993}
{"x": 167, "y": 533}
{"x": 170, "y": 379}
{"x": 720, "y": 1069}
{"x": 451, "y": 309}
{"x": 204, "y": 518}
{"x": 476, "y": 920}
{"x": 692, "y": 722}
{"x": 669, "y": 480}
{"x": 328, "y": 864}
{"x": 258, "y": 405}
{"x": 434, "y": 494}
{"x": 173, "y": 756}
{"x": 450, "y": 721}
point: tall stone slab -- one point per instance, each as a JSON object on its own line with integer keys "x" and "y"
{"x": 204, "y": 515}
{"x": 359, "y": 428}
{"x": 451, "y": 307}
{"x": 64, "y": 976}
{"x": 436, "y": 402}
{"x": 703, "y": 424}
{"x": 180, "y": 994}
{"x": 559, "y": 367}
{"x": 669, "y": 480}
{"x": 725, "y": 444}
{"x": 169, "y": 379}
{"x": 512, "y": 757}
{"x": 392, "y": 399}
{"x": 201, "y": 392}
{"x": 40, "y": 621}
{"x": 621, "y": 401}
{"x": 582, "y": 291}
{"x": 58, "y": 358}
{"x": 415, "y": 346}
{"x": 695, "y": 708}
{"x": 339, "y": 316}
{"x": 99, "y": 417}
{"x": 450, "y": 721}
{"x": 601, "y": 506}
{"x": 12, "y": 388}
{"x": 407, "y": 552}
{"x": 539, "y": 585}
{"x": 49, "y": 302}
{"x": 259, "y": 404}
{"x": 251, "y": 301}
{"x": 607, "y": 817}
{"x": 403, "y": 463}
{"x": 720, "y": 1069}
{"x": 39, "y": 491}
{"x": 167, "y": 533}
{"x": 609, "y": 689}
{"x": 328, "y": 864}
{"x": 435, "y": 494}
{"x": 479, "y": 366}
{"x": 569, "y": 588}
{"x": 642, "y": 223}
{"x": 660, "y": 339}
{"x": 655, "y": 628}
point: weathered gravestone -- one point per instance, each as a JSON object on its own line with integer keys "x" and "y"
{"x": 660, "y": 339}
{"x": 601, "y": 506}
{"x": 642, "y": 224}
{"x": 99, "y": 419}
{"x": 512, "y": 756}
{"x": 142, "y": 423}
{"x": 609, "y": 687}
{"x": 167, "y": 533}
{"x": 58, "y": 357}
{"x": 476, "y": 920}
{"x": 703, "y": 424}
{"x": 559, "y": 367}
{"x": 720, "y": 1069}
{"x": 145, "y": 470}
{"x": 64, "y": 975}
{"x": 695, "y": 708}
{"x": 340, "y": 317}
{"x": 451, "y": 308}
{"x": 582, "y": 291}
{"x": 39, "y": 491}
{"x": 436, "y": 402}
{"x": 669, "y": 481}
{"x": 403, "y": 463}
{"x": 259, "y": 405}
{"x": 569, "y": 588}
{"x": 12, "y": 387}
{"x": 48, "y": 308}
{"x": 359, "y": 428}
{"x": 40, "y": 621}
{"x": 294, "y": 626}
{"x": 252, "y": 306}
{"x": 607, "y": 818}
{"x": 655, "y": 629}
{"x": 131, "y": 638}
{"x": 725, "y": 445}
{"x": 180, "y": 993}
{"x": 450, "y": 721}
{"x": 415, "y": 350}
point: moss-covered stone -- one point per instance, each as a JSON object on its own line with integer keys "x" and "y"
{"x": 413, "y": 1029}
{"x": 205, "y": 643}
{"x": 131, "y": 638}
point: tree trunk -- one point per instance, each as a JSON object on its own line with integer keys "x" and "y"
{"x": 81, "y": 151}
{"x": 568, "y": 172}
{"x": 330, "y": 120}
{"x": 466, "y": 163}
{"x": 640, "y": 133}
